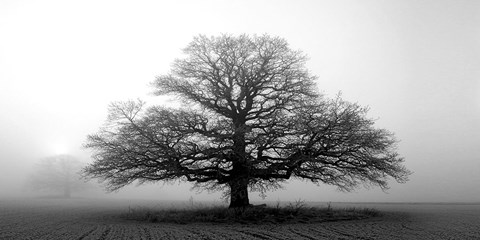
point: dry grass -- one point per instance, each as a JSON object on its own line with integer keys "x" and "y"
{"x": 296, "y": 212}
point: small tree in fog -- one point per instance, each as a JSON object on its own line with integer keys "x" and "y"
{"x": 59, "y": 174}
{"x": 252, "y": 120}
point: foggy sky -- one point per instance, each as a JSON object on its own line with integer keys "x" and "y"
{"x": 414, "y": 63}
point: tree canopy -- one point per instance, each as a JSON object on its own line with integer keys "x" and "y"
{"x": 252, "y": 118}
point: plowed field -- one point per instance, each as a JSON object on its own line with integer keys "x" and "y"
{"x": 88, "y": 219}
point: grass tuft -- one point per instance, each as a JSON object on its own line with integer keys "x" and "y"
{"x": 297, "y": 212}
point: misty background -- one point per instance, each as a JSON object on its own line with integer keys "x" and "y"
{"x": 414, "y": 63}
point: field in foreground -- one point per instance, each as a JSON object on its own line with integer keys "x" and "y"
{"x": 89, "y": 219}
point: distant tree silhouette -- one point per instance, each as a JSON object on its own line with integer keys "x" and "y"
{"x": 59, "y": 173}
{"x": 253, "y": 119}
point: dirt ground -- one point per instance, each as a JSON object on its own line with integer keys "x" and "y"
{"x": 89, "y": 219}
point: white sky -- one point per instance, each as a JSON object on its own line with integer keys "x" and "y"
{"x": 415, "y": 63}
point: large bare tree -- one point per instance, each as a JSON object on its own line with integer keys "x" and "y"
{"x": 252, "y": 119}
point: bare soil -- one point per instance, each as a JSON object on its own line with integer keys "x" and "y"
{"x": 99, "y": 219}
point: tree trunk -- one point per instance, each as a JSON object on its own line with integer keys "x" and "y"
{"x": 239, "y": 182}
{"x": 239, "y": 193}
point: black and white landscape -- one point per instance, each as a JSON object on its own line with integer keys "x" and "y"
{"x": 239, "y": 119}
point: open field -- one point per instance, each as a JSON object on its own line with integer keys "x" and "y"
{"x": 89, "y": 219}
